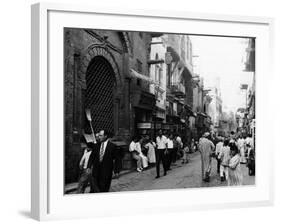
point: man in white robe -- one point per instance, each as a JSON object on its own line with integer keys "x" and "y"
{"x": 241, "y": 147}
{"x": 206, "y": 149}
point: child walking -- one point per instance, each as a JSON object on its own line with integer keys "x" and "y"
{"x": 185, "y": 155}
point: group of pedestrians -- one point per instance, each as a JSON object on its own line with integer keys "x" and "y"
{"x": 230, "y": 154}
{"x": 229, "y": 157}
{"x": 100, "y": 156}
{"x": 165, "y": 150}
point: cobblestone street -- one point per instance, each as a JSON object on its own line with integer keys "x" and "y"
{"x": 181, "y": 176}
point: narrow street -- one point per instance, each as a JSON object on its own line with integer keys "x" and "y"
{"x": 181, "y": 176}
{"x": 179, "y": 85}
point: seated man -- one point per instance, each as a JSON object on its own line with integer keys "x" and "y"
{"x": 135, "y": 149}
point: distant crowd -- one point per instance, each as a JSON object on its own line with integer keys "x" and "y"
{"x": 230, "y": 152}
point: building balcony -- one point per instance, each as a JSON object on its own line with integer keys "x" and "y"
{"x": 178, "y": 89}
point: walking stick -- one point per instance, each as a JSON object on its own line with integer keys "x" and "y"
{"x": 89, "y": 118}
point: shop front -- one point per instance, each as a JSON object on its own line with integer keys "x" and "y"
{"x": 144, "y": 128}
{"x": 200, "y": 124}
{"x": 143, "y": 107}
{"x": 158, "y": 121}
{"x": 176, "y": 125}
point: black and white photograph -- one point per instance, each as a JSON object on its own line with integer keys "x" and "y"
{"x": 154, "y": 111}
{"x": 140, "y": 111}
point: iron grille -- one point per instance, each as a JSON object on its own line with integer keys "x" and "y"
{"x": 99, "y": 94}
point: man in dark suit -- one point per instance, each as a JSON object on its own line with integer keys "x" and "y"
{"x": 102, "y": 162}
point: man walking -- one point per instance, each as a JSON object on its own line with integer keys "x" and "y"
{"x": 102, "y": 162}
{"x": 249, "y": 141}
{"x": 224, "y": 157}
{"x": 85, "y": 177}
{"x": 206, "y": 149}
{"x": 219, "y": 146}
{"x": 179, "y": 145}
{"x": 161, "y": 150}
{"x": 170, "y": 155}
{"x": 241, "y": 143}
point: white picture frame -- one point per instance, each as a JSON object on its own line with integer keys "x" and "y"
{"x": 48, "y": 201}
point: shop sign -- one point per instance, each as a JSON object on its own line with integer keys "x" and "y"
{"x": 144, "y": 125}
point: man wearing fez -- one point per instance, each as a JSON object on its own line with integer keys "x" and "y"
{"x": 102, "y": 163}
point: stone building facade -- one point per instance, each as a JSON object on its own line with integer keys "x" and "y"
{"x": 215, "y": 108}
{"x": 98, "y": 76}
{"x": 179, "y": 85}
{"x": 198, "y": 107}
{"x": 158, "y": 74}
{"x": 133, "y": 83}
{"x": 250, "y": 66}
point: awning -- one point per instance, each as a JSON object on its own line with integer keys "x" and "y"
{"x": 202, "y": 114}
{"x": 135, "y": 74}
{"x": 189, "y": 110}
{"x": 143, "y": 100}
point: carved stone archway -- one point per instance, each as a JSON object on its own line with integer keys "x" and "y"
{"x": 96, "y": 50}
